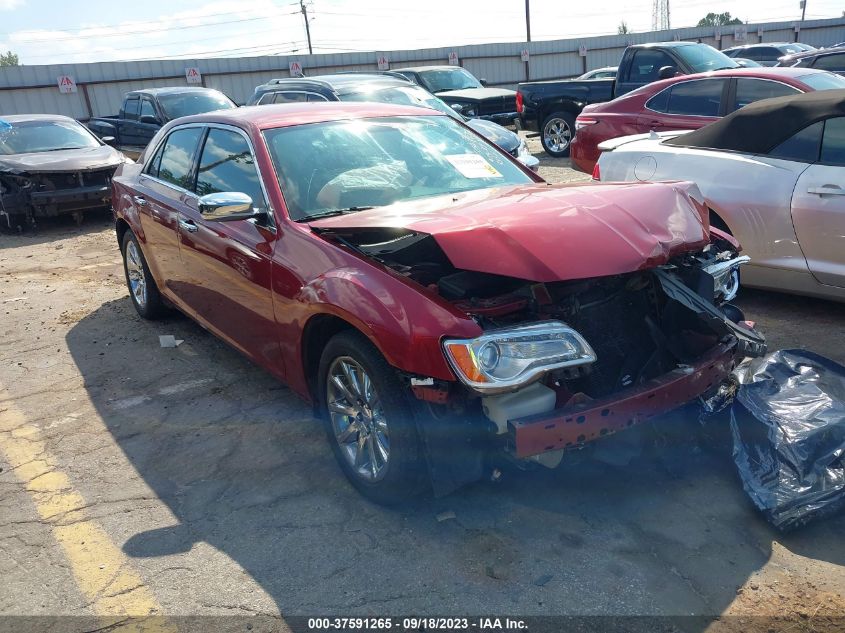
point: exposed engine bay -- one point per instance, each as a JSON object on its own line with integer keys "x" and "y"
{"x": 641, "y": 324}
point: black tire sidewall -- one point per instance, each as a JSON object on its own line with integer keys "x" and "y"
{"x": 570, "y": 121}
{"x": 406, "y": 471}
{"x": 154, "y": 307}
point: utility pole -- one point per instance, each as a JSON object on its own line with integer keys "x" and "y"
{"x": 803, "y": 9}
{"x": 527, "y": 20}
{"x": 307, "y": 27}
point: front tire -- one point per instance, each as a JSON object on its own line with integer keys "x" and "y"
{"x": 369, "y": 421}
{"x": 556, "y": 134}
{"x": 142, "y": 287}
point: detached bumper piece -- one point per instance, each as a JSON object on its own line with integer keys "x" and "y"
{"x": 788, "y": 425}
{"x": 67, "y": 200}
{"x": 576, "y": 425}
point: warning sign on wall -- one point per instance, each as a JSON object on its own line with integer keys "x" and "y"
{"x": 193, "y": 75}
{"x": 383, "y": 63}
{"x": 67, "y": 84}
{"x": 295, "y": 69}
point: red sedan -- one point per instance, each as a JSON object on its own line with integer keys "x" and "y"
{"x": 435, "y": 300}
{"x": 687, "y": 102}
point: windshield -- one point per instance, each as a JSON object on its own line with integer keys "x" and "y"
{"x": 448, "y": 79}
{"x": 188, "y": 103}
{"x": 349, "y": 165}
{"x": 44, "y": 136}
{"x": 823, "y": 81}
{"x": 703, "y": 58}
{"x": 402, "y": 95}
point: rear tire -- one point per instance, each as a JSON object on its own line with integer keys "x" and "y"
{"x": 142, "y": 287}
{"x": 556, "y": 134}
{"x": 369, "y": 421}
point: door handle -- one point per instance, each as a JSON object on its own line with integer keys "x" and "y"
{"x": 188, "y": 225}
{"x": 141, "y": 201}
{"x": 827, "y": 190}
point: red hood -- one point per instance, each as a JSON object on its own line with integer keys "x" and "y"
{"x": 552, "y": 233}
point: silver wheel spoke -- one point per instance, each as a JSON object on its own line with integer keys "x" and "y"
{"x": 357, "y": 419}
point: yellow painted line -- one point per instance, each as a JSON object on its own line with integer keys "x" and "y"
{"x": 102, "y": 572}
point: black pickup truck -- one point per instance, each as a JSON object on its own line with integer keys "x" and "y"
{"x": 550, "y": 107}
{"x": 145, "y": 111}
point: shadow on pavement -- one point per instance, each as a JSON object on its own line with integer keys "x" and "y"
{"x": 243, "y": 466}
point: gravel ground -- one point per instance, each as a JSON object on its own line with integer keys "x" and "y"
{"x": 186, "y": 481}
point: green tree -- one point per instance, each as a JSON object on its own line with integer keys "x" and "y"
{"x": 9, "y": 59}
{"x": 622, "y": 29}
{"x": 718, "y": 19}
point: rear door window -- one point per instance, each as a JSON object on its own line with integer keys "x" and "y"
{"x": 177, "y": 157}
{"x": 147, "y": 109}
{"x": 696, "y": 98}
{"x": 751, "y": 90}
{"x": 130, "y": 108}
{"x": 834, "y": 63}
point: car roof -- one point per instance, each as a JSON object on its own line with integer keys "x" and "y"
{"x": 171, "y": 90}
{"x": 761, "y": 72}
{"x": 816, "y": 53}
{"x": 668, "y": 44}
{"x": 22, "y": 118}
{"x": 290, "y": 114}
{"x": 338, "y": 81}
{"x": 417, "y": 69}
{"x": 765, "y": 124}
{"x": 743, "y": 46}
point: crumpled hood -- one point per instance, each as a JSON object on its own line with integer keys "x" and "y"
{"x": 552, "y": 233}
{"x": 495, "y": 133}
{"x": 63, "y": 160}
{"x": 477, "y": 94}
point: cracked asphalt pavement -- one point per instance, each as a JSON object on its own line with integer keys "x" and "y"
{"x": 138, "y": 481}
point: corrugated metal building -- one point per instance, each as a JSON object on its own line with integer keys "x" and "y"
{"x": 100, "y": 86}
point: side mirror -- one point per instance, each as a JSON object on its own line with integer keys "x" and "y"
{"x": 667, "y": 72}
{"x": 108, "y": 140}
{"x": 483, "y": 82}
{"x": 151, "y": 120}
{"x": 457, "y": 107}
{"x": 227, "y": 206}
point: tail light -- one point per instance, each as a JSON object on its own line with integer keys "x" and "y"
{"x": 584, "y": 121}
{"x": 596, "y": 172}
{"x": 519, "y": 102}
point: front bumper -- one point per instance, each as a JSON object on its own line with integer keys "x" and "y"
{"x": 579, "y": 424}
{"x": 50, "y": 203}
{"x": 505, "y": 119}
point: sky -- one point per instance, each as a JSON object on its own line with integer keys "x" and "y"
{"x": 56, "y": 31}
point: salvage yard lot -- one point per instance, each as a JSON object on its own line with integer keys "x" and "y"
{"x": 187, "y": 481}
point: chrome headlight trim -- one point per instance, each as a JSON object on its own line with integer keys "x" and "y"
{"x": 506, "y": 359}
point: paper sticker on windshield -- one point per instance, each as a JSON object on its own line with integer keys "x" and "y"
{"x": 473, "y": 166}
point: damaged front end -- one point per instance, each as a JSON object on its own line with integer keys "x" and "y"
{"x": 563, "y": 363}
{"x": 27, "y": 195}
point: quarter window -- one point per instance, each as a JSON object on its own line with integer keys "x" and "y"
{"x": 802, "y": 146}
{"x": 227, "y": 164}
{"x": 178, "y": 155}
{"x": 751, "y": 90}
{"x": 696, "y": 98}
{"x": 833, "y": 143}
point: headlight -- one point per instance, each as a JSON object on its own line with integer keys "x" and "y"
{"x": 504, "y": 359}
{"x": 726, "y": 277}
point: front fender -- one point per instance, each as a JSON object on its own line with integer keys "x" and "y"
{"x": 404, "y": 323}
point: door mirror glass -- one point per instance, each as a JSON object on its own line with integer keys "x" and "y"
{"x": 483, "y": 82}
{"x": 227, "y": 206}
{"x": 151, "y": 120}
{"x": 666, "y": 72}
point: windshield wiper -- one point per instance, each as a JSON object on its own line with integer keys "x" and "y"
{"x": 332, "y": 213}
{"x": 59, "y": 149}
